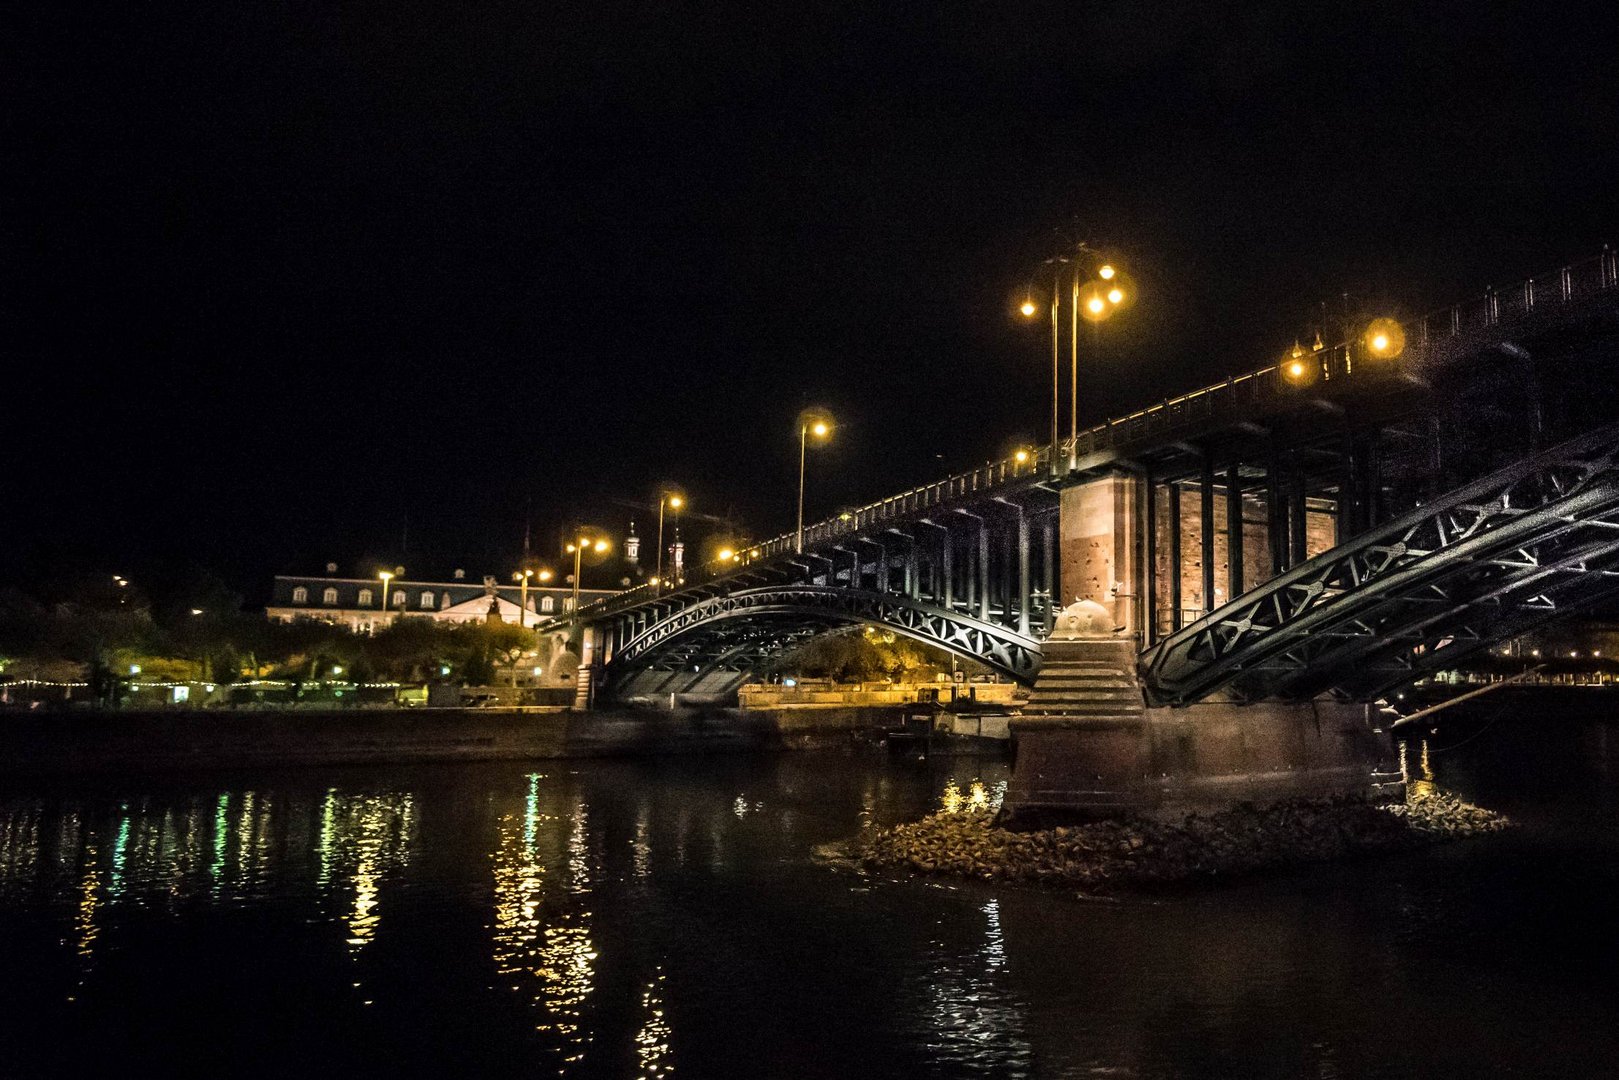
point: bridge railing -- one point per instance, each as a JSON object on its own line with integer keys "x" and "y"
{"x": 1572, "y": 284}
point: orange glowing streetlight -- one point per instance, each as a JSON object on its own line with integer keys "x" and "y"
{"x": 674, "y": 500}
{"x": 819, "y": 424}
{"x": 577, "y": 548}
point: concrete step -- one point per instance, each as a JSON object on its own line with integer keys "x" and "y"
{"x": 1086, "y": 680}
{"x": 1083, "y": 711}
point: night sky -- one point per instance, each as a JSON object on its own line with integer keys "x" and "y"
{"x": 278, "y": 276}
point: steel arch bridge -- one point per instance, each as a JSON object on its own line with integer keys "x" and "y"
{"x": 1489, "y": 561}
{"x": 1339, "y": 454}
{"x": 717, "y": 641}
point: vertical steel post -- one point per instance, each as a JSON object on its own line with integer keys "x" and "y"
{"x": 1206, "y": 515}
{"x": 982, "y": 568}
{"x": 1276, "y": 510}
{"x": 1022, "y": 572}
{"x": 1150, "y": 568}
{"x": 1233, "y": 530}
{"x": 1300, "y": 512}
{"x": 1048, "y": 566}
{"x": 1174, "y": 557}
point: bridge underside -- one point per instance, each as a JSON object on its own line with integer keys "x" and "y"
{"x": 1490, "y": 561}
{"x": 713, "y": 646}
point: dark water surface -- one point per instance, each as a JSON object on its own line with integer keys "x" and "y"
{"x": 613, "y": 919}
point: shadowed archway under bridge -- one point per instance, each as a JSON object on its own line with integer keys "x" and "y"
{"x": 715, "y": 644}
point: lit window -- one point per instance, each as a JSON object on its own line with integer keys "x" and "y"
{"x": 329, "y": 596}
{"x": 567, "y": 604}
{"x": 300, "y": 595}
{"x": 365, "y": 597}
{"x": 427, "y": 601}
{"x": 547, "y": 604}
{"x": 400, "y": 598}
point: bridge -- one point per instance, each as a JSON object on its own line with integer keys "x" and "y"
{"x": 1336, "y": 524}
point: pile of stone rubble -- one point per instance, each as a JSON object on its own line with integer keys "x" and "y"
{"x": 1141, "y": 852}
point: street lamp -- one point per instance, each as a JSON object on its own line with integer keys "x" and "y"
{"x": 386, "y": 576}
{"x": 521, "y": 577}
{"x": 675, "y": 501}
{"x": 819, "y": 424}
{"x": 1094, "y": 300}
{"x": 577, "y": 547}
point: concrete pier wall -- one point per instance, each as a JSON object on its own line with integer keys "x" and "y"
{"x": 1206, "y": 757}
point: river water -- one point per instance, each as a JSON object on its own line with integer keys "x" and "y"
{"x": 671, "y": 918}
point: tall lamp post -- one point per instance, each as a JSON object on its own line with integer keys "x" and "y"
{"x": 522, "y": 577}
{"x": 577, "y": 547}
{"x": 386, "y": 577}
{"x": 1096, "y": 290}
{"x": 674, "y": 500}
{"x": 819, "y": 424}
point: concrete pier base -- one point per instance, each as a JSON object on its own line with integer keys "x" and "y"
{"x": 1205, "y": 757}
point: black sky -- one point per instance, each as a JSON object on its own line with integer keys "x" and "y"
{"x": 278, "y": 275}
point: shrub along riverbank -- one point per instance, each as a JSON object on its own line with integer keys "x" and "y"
{"x": 1139, "y": 852}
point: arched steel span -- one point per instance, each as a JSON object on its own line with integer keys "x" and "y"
{"x": 1489, "y": 561}
{"x": 738, "y": 632}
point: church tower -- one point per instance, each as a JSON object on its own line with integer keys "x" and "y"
{"x": 632, "y": 548}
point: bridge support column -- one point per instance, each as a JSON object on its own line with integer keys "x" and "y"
{"x": 1101, "y": 544}
{"x": 1086, "y": 747}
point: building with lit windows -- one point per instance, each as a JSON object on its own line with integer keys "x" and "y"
{"x": 357, "y": 602}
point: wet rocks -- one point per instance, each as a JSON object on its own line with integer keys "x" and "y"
{"x": 1140, "y": 852}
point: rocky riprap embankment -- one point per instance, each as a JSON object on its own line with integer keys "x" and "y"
{"x": 1111, "y": 854}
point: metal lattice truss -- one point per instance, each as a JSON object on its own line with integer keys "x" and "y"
{"x": 740, "y": 631}
{"x": 1485, "y": 563}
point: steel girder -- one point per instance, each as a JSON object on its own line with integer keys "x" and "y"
{"x": 744, "y": 628}
{"x": 1487, "y": 562}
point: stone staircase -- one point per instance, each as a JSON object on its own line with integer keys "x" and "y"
{"x": 1087, "y": 678}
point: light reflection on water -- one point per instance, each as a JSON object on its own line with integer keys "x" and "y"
{"x": 609, "y": 920}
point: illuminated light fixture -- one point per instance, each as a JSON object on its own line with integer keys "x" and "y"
{"x": 1028, "y": 309}
{"x": 1021, "y": 456}
{"x": 1106, "y": 272}
{"x": 676, "y": 502}
{"x": 444, "y": 669}
{"x": 134, "y": 669}
{"x": 1295, "y": 370}
{"x": 1095, "y": 304}
{"x": 1115, "y": 295}
{"x": 337, "y": 669}
{"x": 1298, "y": 350}
{"x": 1385, "y": 338}
{"x": 601, "y": 546}
{"x": 726, "y": 554}
{"x": 1318, "y": 346}
{"x": 819, "y": 429}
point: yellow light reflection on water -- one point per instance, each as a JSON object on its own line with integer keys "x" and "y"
{"x": 362, "y": 839}
{"x": 545, "y": 949}
{"x": 652, "y": 1041}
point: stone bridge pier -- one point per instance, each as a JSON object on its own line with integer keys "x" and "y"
{"x": 1140, "y": 556}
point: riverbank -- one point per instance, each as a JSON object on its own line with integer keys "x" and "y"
{"x": 107, "y": 741}
{"x": 1141, "y": 853}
